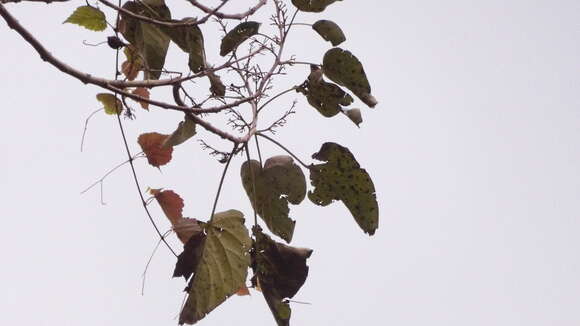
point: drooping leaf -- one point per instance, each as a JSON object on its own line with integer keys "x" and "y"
{"x": 237, "y": 36}
{"x": 133, "y": 64}
{"x": 313, "y": 5}
{"x": 111, "y": 104}
{"x": 326, "y": 98}
{"x": 342, "y": 178}
{"x": 184, "y": 131}
{"x": 279, "y": 182}
{"x": 172, "y": 205}
{"x": 88, "y": 17}
{"x": 329, "y": 31}
{"x": 147, "y": 38}
{"x": 217, "y": 87}
{"x": 143, "y": 92}
{"x": 190, "y": 40}
{"x": 343, "y": 68}
{"x": 355, "y": 116}
{"x": 189, "y": 259}
{"x": 281, "y": 271}
{"x": 152, "y": 145}
{"x": 222, "y": 268}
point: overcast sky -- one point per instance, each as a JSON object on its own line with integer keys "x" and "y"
{"x": 474, "y": 150}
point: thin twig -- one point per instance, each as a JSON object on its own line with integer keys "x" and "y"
{"x": 217, "y": 196}
{"x": 284, "y": 148}
{"x": 86, "y": 126}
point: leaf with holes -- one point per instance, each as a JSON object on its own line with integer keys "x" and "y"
{"x": 313, "y": 5}
{"x": 280, "y": 182}
{"x": 184, "y": 131}
{"x": 152, "y": 145}
{"x": 222, "y": 267}
{"x": 326, "y": 98}
{"x": 281, "y": 271}
{"x": 88, "y": 17}
{"x": 343, "y": 68}
{"x": 237, "y": 36}
{"x": 341, "y": 178}
{"x": 111, "y": 104}
{"x": 329, "y": 31}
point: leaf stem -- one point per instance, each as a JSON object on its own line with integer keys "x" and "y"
{"x": 253, "y": 182}
{"x": 276, "y": 96}
{"x": 286, "y": 149}
{"x": 217, "y": 196}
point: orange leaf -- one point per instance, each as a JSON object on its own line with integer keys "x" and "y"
{"x": 171, "y": 204}
{"x": 143, "y": 92}
{"x": 243, "y": 291}
{"x": 152, "y": 145}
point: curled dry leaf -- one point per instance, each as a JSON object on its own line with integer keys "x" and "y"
{"x": 152, "y": 145}
{"x": 131, "y": 67}
{"x": 143, "y": 92}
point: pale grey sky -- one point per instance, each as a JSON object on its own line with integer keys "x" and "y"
{"x": 473, "y": 148}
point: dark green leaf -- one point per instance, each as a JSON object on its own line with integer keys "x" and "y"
{"x": 217, "y": 87}
{"x": 343, "y": 68}
{"x": 325, "y": 97}
{"x": 222, "y": 267}
{"x": 184, "y": 131}
{"x": 313, "y": 5}
{"x": 190, "y": 40}
{"x": 280, "y": 270}
{"x": 330, "y": 31}
{"x": 279, "y": 182}
{"x": 237, "y": 36}
{"x": 88, "y": 17}
{"x": 341, "y": 178}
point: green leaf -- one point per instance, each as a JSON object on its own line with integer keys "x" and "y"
{"x": 330, "y": 31}
{"x": 279, "y": 182}
{"x": 184, "y": 131}
{"x": 341, "y": 178}
{"x": 217, "y": 87}
{"x": 88, "y": 17}
{"x": 148, "y": 39}
{"x": 325, "y": 97}
{"x": 237, "y": 36}
{"x": 190, "y": 40}
{"x": 343, "y": 68}
{"x": 222, "y": 268}
{"x": 112, "y": 104}
{"x": 280, "y": 270}
{"x": 313, "y": 5}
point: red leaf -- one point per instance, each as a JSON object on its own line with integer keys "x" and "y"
{"x": 143, "y": 92}
{"x": 152, "y": 145}
{"x": 171, "y": 204}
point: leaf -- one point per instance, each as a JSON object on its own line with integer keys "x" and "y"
{"x": 237, "y": 36}
{"x": 152, "y": 145}
{"x": 355, "y": 116}
{"x": 172, "y": 205}
{"x": 243, "y": 291}
{"x": 148, "y": 39}
{"x": 189, "y": 259}
{"x": 222, "y": 267}
{"x": 341, "y": 178}
{"x": 313, "y": 5}
{"x": 329, "y": 31}
{"x": 279, "y": 182}
{"x": 281, "y": 271}
{"x": 184, "y": 131}
{"x": 190, "y": 40}
{"x": 88, "y": 17}
{"x": 112, "y": 105}
{"x": 326, "y": 98}
{"x": 133, "y": 64}
{"x": 343, "y": 68}
{"x": 143, "y": 92}
{"x": 217, "y": 87}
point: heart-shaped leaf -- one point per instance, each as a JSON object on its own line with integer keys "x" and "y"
{"x": 313, "y": 5}
{"x": 341, "y": 178}
{"x": 271, "y": 188}
{"x": 343, "y": 68}
{"x": 329, "y": 31}
{"x": 222, "y": 267}
{"x": 237, "y": 36}
{"x": 88, "y": 17}
{"x": 152, "y": 145}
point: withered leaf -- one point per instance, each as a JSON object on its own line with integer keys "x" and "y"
{"x": 188, "y": 260}
{"x": 143, "y": 92}
{"x": 152, "y": 145}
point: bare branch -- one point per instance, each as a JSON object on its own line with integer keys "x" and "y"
{"x": 239, "y": 16}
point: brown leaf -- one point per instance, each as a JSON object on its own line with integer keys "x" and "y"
{"x": 133, "y": 64}
{"x": 186, "y": 228}
{"x": 188, "y": 260}
{"x": 171, "y": 204}
{"x": 143, "y": 92}
{"x": 152, "y": 145}
{"x": 243, "y": 291}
